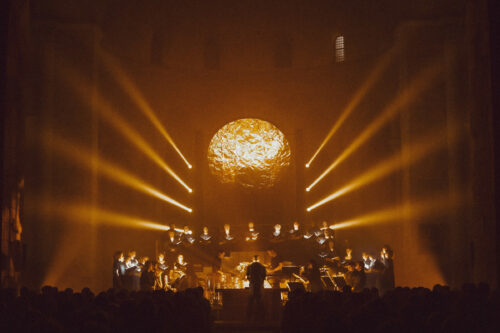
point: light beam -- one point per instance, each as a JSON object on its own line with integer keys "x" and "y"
{"x": 80, "y": 155}
{"x": 84, "y": 213}
{"x": 426, "y": 146}
{"x": 360, "y": 94}
{"x": 123, "y": 79}
{"x": 427, "y": 207}
{"x": 116, "y": 121}
{"x": 418, "y": 85}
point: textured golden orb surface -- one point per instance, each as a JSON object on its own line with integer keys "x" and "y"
{"x": 250, "y": 152}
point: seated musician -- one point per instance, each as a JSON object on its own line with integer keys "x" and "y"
{"x": 274, "y": 268}
{"x": 251, "y": 235}
{"x": 178, "y": 274}
{"x": 161, "y": 281}
{"x": 355, "y": 276}
{"x": 147, "y": 279}
{"x": 218, "y": 274}
{"x": 312, "y": 276}
{"x": 348, "y": 256}
{"x": 180, "y": 264}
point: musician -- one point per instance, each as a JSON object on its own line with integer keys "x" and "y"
{"x": 348, "y": 256}
{"x": 386, "y": 275}
{"x": 181, "y": 264}
{"x": 217, "y": 263}
{"x": 358, "y": 277}
{"x": 119, "y": 269}
{"x": 295, "y": 233}
{"x": 315, "y": 231}
{"x": 349, "y": 274}
{"x": 173, "y": 242}
{"x": 277, "y": 236}
{"x": 205, "y": 237}
{"x": 178, "y": 274}
{"x": 161, "y": 281}
{"x": 328, "y": 253}
{"x": 142, "y": 263}
{"x": 256, "y": 274}
{"x": 186, "y": 237}
{"x": 147, "y": 279}
{"x": 368, "y": 261}
{"x": 312, "y": 275}
{"x": 226, "y": 236}
{"x": 132, "y": 272}
{"x": 252, "y": 235}
{"x": 276, "y": 262}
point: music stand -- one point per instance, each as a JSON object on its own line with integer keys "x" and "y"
{"x": 295, "y": 286}
{"x": 339, "y": 282}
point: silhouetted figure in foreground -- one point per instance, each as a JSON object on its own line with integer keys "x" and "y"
{"x": 256, "y": 274}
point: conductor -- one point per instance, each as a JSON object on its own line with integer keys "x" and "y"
{"x": 256, "y": 274}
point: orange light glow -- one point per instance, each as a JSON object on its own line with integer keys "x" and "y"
{"x": 80, "y": 155}
{"x": 415, "y": 88}
{"x": 116, "y": 121}
{"x": 124, "y": 80}
{"x": 434, "y": 205}
{"x": 418, "y": 151}
{"x": 84, "y": 213}
{"x": 372, "y": 78}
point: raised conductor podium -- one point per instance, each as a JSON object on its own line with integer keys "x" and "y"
{"x": 235, "y": 301}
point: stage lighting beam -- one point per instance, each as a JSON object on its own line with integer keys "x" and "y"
{"x": 80, "y": 155}
{"x": 116, "y": 121}
{"x": 126, "y": 83}
{"x": 422, "y": 208}
{"x": 421, "y": 82}
{"x": 360, "y": 94}
{"x": 426, "y": 146}
{"x": 83, "y": 213}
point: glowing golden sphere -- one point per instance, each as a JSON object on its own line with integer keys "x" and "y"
{"x": 250, "y": 152}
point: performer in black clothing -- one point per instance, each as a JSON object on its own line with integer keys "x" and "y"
{"x": 186, "y": 237}
{"x": 256, "y": 274}
{"x": 148, "y": 277}
{"x": 313, "y": 276}
{"x": 358, "y": 277}
{"x": 172, "y": 244}
{"x": 252, "y": 235}
{"x": 295, "y": 233}
{"x": 161, "y": 281}
{"x": 132, "y": 281}
{"x": 276, "y": 262}
{"x": 226, "y": 240}
{"x": 386, "y": 275}
{"x": 277, "y": 235}
{"x": 119, "y": 270}
{"x": 205, "y": 237}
